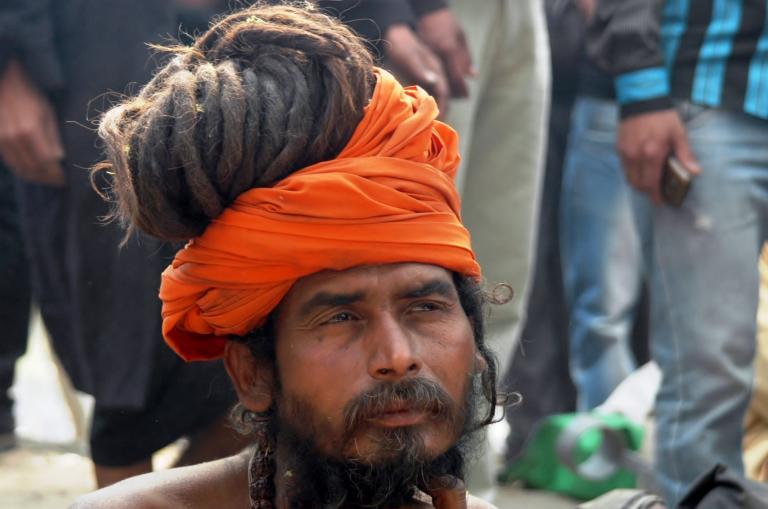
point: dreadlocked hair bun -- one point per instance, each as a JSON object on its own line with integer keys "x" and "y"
{"x": 264, "y": 92}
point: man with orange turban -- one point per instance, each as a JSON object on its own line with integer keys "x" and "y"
{"x": 326, "y": 263}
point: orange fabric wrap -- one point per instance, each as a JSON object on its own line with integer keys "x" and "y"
{"x": 388, "y": 197}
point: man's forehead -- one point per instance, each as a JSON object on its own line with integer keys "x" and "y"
{"x": 398, "y": 277}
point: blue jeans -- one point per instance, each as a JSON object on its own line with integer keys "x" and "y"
{"x": 604, "y": 233}
{"x": 704, "y": 289}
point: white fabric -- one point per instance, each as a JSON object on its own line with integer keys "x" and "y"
{"x": 502, "y": 128}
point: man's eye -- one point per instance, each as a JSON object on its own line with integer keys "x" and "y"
{"x": 340, "y": 317}
{"x": 427, "y": 306}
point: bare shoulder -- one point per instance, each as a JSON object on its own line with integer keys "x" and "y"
{"x": 213, "y": 484}
{"x": 478, "y": 503}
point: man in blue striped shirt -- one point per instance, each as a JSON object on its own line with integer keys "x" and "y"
{"x": 691, "y": 77}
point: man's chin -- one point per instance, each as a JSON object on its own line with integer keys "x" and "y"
{"x": 390, "y": 446}
{"x": 379, "y": 468}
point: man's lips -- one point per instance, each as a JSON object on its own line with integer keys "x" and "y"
{"x": 399, "y": 415}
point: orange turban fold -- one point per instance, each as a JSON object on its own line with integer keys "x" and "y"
{"x": 388, "y": 197}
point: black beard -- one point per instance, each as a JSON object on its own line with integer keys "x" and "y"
{"x": 314, "y": 480}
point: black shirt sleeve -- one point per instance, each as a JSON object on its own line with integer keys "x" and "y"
{"x": 422, "y": 7}
{"x": 371, "y": 18}
{"x": 624, "y": 39}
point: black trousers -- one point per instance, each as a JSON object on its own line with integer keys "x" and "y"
{"x": 14, "y": 289}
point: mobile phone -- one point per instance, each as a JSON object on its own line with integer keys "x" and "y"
{"x": 675, "y": 182}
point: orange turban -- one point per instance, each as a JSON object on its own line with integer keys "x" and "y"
{"x": 388, "y": 197}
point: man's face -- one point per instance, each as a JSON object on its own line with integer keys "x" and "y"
{"x": 374, "y": 356}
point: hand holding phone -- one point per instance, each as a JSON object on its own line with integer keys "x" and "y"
{"x": 675, "y": 182}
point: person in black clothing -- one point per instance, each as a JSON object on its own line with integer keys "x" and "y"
{"x": 57, "y": 60}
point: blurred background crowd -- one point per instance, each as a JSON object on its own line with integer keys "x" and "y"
{"x": 568, "y": 111}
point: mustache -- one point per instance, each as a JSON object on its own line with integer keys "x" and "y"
{"x": 417, "y": 394}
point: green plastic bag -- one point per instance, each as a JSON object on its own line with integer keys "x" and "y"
{"x": 564, "y": 443}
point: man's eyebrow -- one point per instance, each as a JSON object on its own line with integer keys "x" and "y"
{"x": 328, "y": 299}
{"x": 435, "y": 286}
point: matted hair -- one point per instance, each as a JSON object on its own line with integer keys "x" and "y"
{"x": 264, "y": 92}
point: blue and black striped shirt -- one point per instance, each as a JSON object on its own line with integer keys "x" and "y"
{"x": 711, "y": 52}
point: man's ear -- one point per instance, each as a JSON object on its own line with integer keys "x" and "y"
{"x": 480, "y": 363}
{"x": 254, "y": 380}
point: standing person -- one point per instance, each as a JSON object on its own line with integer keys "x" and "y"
{"x": 487, "y": 64}
{"x": 587, "y": 232}
{"x": 502, "y": 127}
{"x": 15, "y": 301}
{"x": 329, "y": 267}
{"x": 605, "y": 237}
{"x": 689, "y": 79}
{"x": 539, "y": 366}
{"x": 500, "y": 111}
{"x": 95, "y": 297}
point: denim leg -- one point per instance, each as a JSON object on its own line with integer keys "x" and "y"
{"x": 704, "y": 298}
{"x": 604, "y": 225}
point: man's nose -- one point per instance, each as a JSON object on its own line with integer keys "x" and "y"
{"x": 393, "y": 352}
